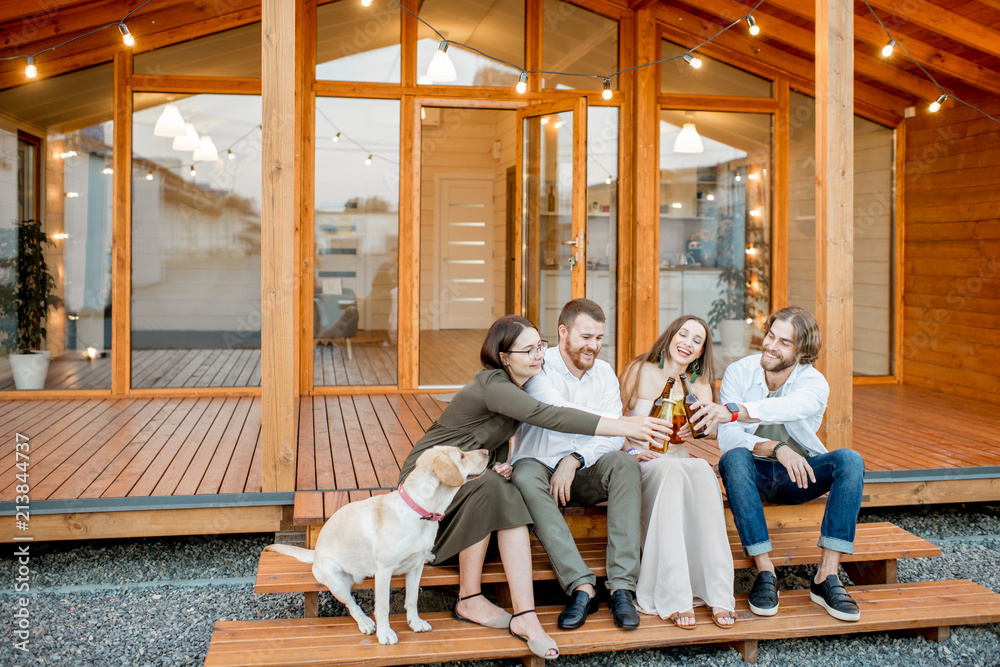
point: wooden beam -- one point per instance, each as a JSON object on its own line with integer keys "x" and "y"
{"x": 898, "y": 237}
{"x": 646, "y": 176}
{"x": 718, "y": 103}
{"x": 408, "y": 316}
{"x": 278, "y": 413}
{"x": 306, "y": 187}
{"x": 834, "y": 211}
{"x": 779, "y": 233}
{"x": 121, "y": 225}
{"x": 939, "y": 20}
{"x": 626, "y": 237}
{"x": 803, "y": 40}
{"x": 868, "y": 31}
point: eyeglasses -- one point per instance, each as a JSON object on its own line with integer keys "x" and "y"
{"x": 533, "y": 352}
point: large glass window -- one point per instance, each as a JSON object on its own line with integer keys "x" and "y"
{"x": 714, "y": 77}
{"x": 201, "y": 57}
{"x": 602, "y": 220}
{"x": 196, "y": 314}
{"x": 873, "y": 231}
{"x": 75, "y": 109}
{"x": 356, "y": 254}
{"x": 496, "y": 28}
{"x": 358, "y": 43}
{"x": 715, "y": 223}
{"x": 577, "y": 40}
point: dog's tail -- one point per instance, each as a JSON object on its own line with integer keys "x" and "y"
{"x": 298, "y": 553}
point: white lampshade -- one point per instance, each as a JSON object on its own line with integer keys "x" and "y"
{"x": 170, "y": 123}
{"x": 189, "y": 141}
{"x": 441, "y": 69}
{"x": 688, "y": 141}
{"x": 206, "y": 151}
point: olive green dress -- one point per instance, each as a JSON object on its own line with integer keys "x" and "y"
{"x": 484, "y": 415}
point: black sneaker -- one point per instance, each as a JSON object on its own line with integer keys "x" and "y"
{"x": 832, "y": 596}
{"x": 764, "y": 594}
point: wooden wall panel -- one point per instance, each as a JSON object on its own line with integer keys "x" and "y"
{"x": 951, "y": 272}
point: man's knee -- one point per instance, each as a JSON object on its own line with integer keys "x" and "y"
{"x": 737, "y": 462}
{"x": 618, "y": 468}
{"x": 849, "y": 464}
{"x": 530, "y": 476}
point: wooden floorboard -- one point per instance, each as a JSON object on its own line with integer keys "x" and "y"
{"x": 117, "y": 448}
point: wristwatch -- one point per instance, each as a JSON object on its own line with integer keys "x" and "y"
{"x": 735, "y": 409}
{"x": 579, "y": 457}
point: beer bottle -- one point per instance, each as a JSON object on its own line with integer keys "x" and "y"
{"x": 678, "y": 419}
{"x": 690, "y": 400}
{"x": 662, "y": 409}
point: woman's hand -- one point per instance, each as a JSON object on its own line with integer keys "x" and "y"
{"x": 646, "y": 429}
{"x": 685, "y": 433}
{"x": 637, "y": 449}
{"x": 504, "y": 470}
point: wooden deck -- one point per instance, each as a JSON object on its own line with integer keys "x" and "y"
{"x": 89, "y": 452}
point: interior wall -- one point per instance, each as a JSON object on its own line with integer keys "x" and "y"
{"x": 459, "y": 142}
{"x": 951, "y": 297}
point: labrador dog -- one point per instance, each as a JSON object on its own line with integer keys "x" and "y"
{"x": 389, "y": 534}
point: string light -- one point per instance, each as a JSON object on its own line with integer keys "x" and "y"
{"x": 522, "y": 83}
{"x": 366, "y": 3}
{"x": 936, "y": 104}
{"x": 606, "y": 93}
{"x": 194, "y": 172}
{"x": 693, "y": 61}
{"x": 30, "y": 70}
{"x": 126, "y": 35}
{"x": 752, "y": 26}
{"x": 887, "y": 49}
{"x": 229, "y": 154}
{"x": 441, "y": 68}
{"x": 368, "y": 160}
{"x": 72, "y": 195}
{"x": 67, "y": 154}
{"x": 107, "y": 171}
{"x": 149, "y": 175}
{"x": 607, "y": 181}
{"x": 336, "y": 137}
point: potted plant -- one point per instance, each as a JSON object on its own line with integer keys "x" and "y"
{"x": 29, "y": 300}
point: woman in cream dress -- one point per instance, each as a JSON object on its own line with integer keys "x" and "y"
{"x": 686, "y": 559}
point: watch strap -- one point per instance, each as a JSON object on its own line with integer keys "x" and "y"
{"x": 734, "y": 409}
{"x": 579, "y": 457}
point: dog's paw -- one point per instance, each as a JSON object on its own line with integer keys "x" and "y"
{"x": 419, "y": 625}
{"x": 366, "y": 625}
{"x": 387, "y": 636}
{"x": 430, "y": 557}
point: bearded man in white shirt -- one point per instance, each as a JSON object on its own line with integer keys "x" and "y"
{"x": 773, "y": 406}
{"x": 551, "y": 468}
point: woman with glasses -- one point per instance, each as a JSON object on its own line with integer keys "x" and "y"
{"x": 685, "y": 549}
{"x": 488, "y": 514}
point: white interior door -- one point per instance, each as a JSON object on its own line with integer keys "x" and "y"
{"x": 465, "y": 251}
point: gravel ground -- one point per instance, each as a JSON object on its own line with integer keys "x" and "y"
{"x": 154, "y": 601}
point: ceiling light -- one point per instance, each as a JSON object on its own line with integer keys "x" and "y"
{"x": 30, "y": 70}
{"x": 688, "y": 141}
{"x": 710, "y": 197}
{"x": 366, "y": 3}
{"x": 887, "y": 49}
{"x": 606, "y": 93}
{"x": 170, "y": 123}
{"x": 936, "y": 104}
{"x": 441, "y": 68}
{"x": 753, "y": 28}
{"x": 425, "y": 81}
{"x": 522, "y": 83}
{"x": 189, "y": 141}
{"x": 206, "y": 150}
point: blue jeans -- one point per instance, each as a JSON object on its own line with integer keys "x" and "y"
{"x": 749, "y": 481}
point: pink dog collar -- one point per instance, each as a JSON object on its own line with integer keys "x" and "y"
{"x": 424, "y": 514}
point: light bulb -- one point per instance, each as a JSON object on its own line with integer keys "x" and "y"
{"x": 366, "y": 3}
{"x": 336, "y": 137}
{"x": 693, "y": 61}
{"x": 126, "y": 35}
{"x": 30, "y": 70}
{"x": 607, "y": 181}
{"x": 936, "y": 104}
{"x": 887, "y": 49}
{"x": 441, "y": 68}
{"x": 545, "y": 120}
{"x": 606, "y": 93}
{"x": 368, "y": 160}
{"x": 559, "y": 124}
{"x": 72, "y": 195}
{"x": 149, "y": 175}
{"x": 754, "y": 213}
{"x": 522, "y": 83}
{"x": 107, "y": 171}
{"x": 230, "y": 155}
{"x": 194, "y": 172}
{"x": 738, "y": 178}
{"x": 753, "y": 28}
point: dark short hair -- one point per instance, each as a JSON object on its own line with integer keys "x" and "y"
{"x": 807, "y": 337}
{"x": 577, "y": 307}
{"x": 500, "y": 337}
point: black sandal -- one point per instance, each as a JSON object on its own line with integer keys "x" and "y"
{"x": 539, "y": 647}
{"x": 500, "y": 622}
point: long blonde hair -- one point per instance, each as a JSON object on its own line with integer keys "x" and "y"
{"x": 704, "y": 365}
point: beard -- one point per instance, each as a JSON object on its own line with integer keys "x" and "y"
{"x": 776, "y": 365}
{"x": 582, "y": 363}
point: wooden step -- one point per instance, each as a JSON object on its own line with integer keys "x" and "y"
{"x": 929, "y": 608}
{"x": 877, "y": 546}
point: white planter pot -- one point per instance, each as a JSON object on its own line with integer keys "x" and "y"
{"x": 30, "y": 369}
{"x": 735, "y": 338}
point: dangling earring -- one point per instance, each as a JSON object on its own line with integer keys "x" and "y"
{"x": 696, "y": 367}
{"x": 663, "y": 354}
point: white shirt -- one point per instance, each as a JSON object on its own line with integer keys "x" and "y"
{"x": 597, "y": 391}
{"x": 800, "y": 408}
